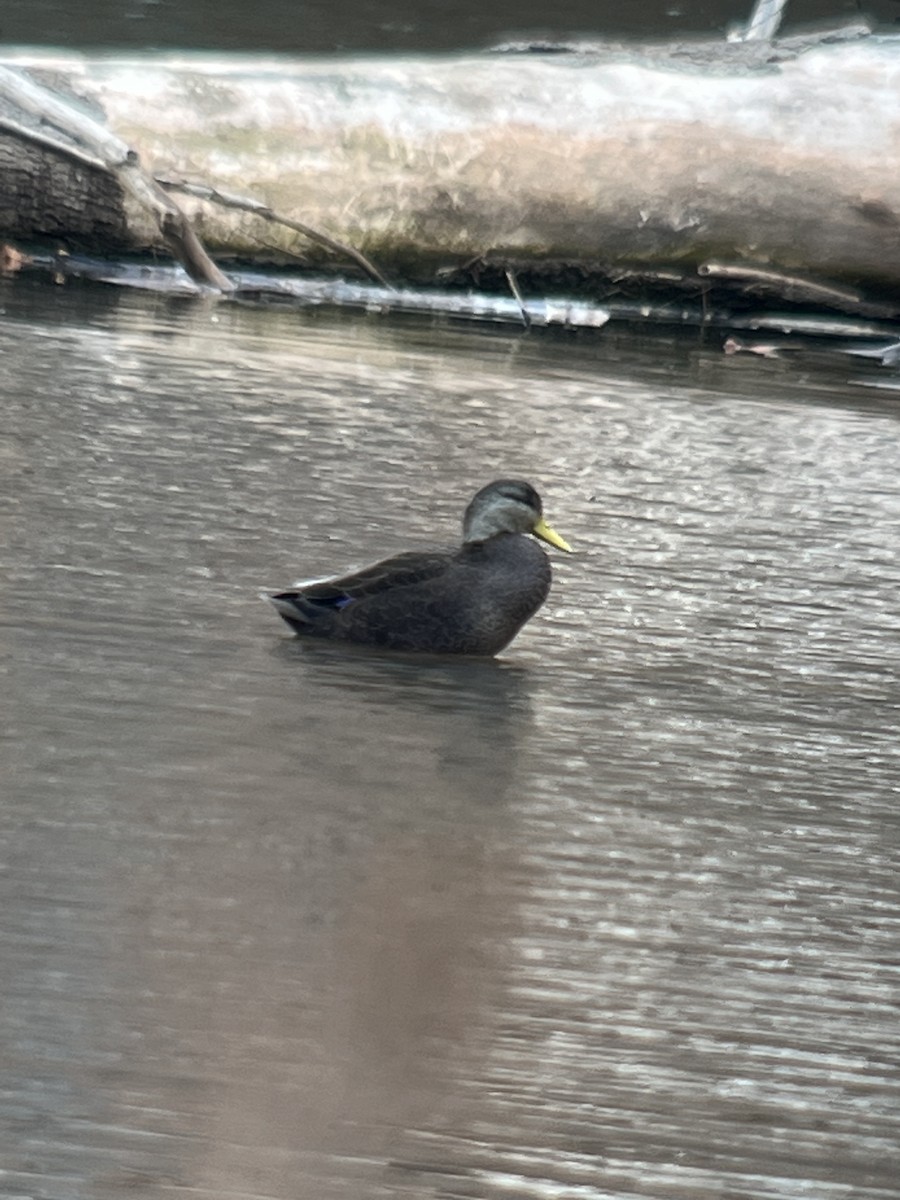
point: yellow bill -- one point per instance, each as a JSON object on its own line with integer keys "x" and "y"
{"x": 547, "y": 534}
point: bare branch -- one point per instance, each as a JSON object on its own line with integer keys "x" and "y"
{"x": 798, "y": 287}
{"x": 213, "y": 195}
{"x": 41, "y": 137}
{"x": 514, "y": 288}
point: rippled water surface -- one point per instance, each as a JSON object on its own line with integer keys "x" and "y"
{"x": 613, "y": 916}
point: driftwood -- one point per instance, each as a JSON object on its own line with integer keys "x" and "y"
{"x": 52, "y": 123}
{"x": 609, "y": 176}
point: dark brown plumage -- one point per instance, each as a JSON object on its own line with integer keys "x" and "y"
{"x": 473, "y": 600}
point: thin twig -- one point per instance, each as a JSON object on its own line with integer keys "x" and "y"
{"x": 514, "y": 288}
{"x": 797, "y": 287}
{"x": 213, "y": 195}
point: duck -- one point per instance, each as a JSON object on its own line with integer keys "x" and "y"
{"x": 470, "y": 600}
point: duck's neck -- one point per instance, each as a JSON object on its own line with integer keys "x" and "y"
{"x": 482, "y": 527}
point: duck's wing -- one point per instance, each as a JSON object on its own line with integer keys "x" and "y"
{"x": 471, "y": 602}
{"x": 319, "y": 602}
{"x": 400, "y": 571}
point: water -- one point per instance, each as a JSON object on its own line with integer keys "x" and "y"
{"x": 613, "y": 916}
{"x": 360, "y": 26}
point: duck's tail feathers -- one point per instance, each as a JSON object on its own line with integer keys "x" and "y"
{"x": 292, "y": 607}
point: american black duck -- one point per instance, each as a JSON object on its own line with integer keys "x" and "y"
{"x": 471, "y": 600}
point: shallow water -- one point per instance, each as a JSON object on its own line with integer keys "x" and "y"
{"x": 615, "y": 915}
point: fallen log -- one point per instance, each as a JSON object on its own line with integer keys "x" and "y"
{"x": 536, "y": 171}
{"x": 44, "y": 119}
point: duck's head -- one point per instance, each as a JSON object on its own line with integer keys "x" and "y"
{"x": 508, "y": 506}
